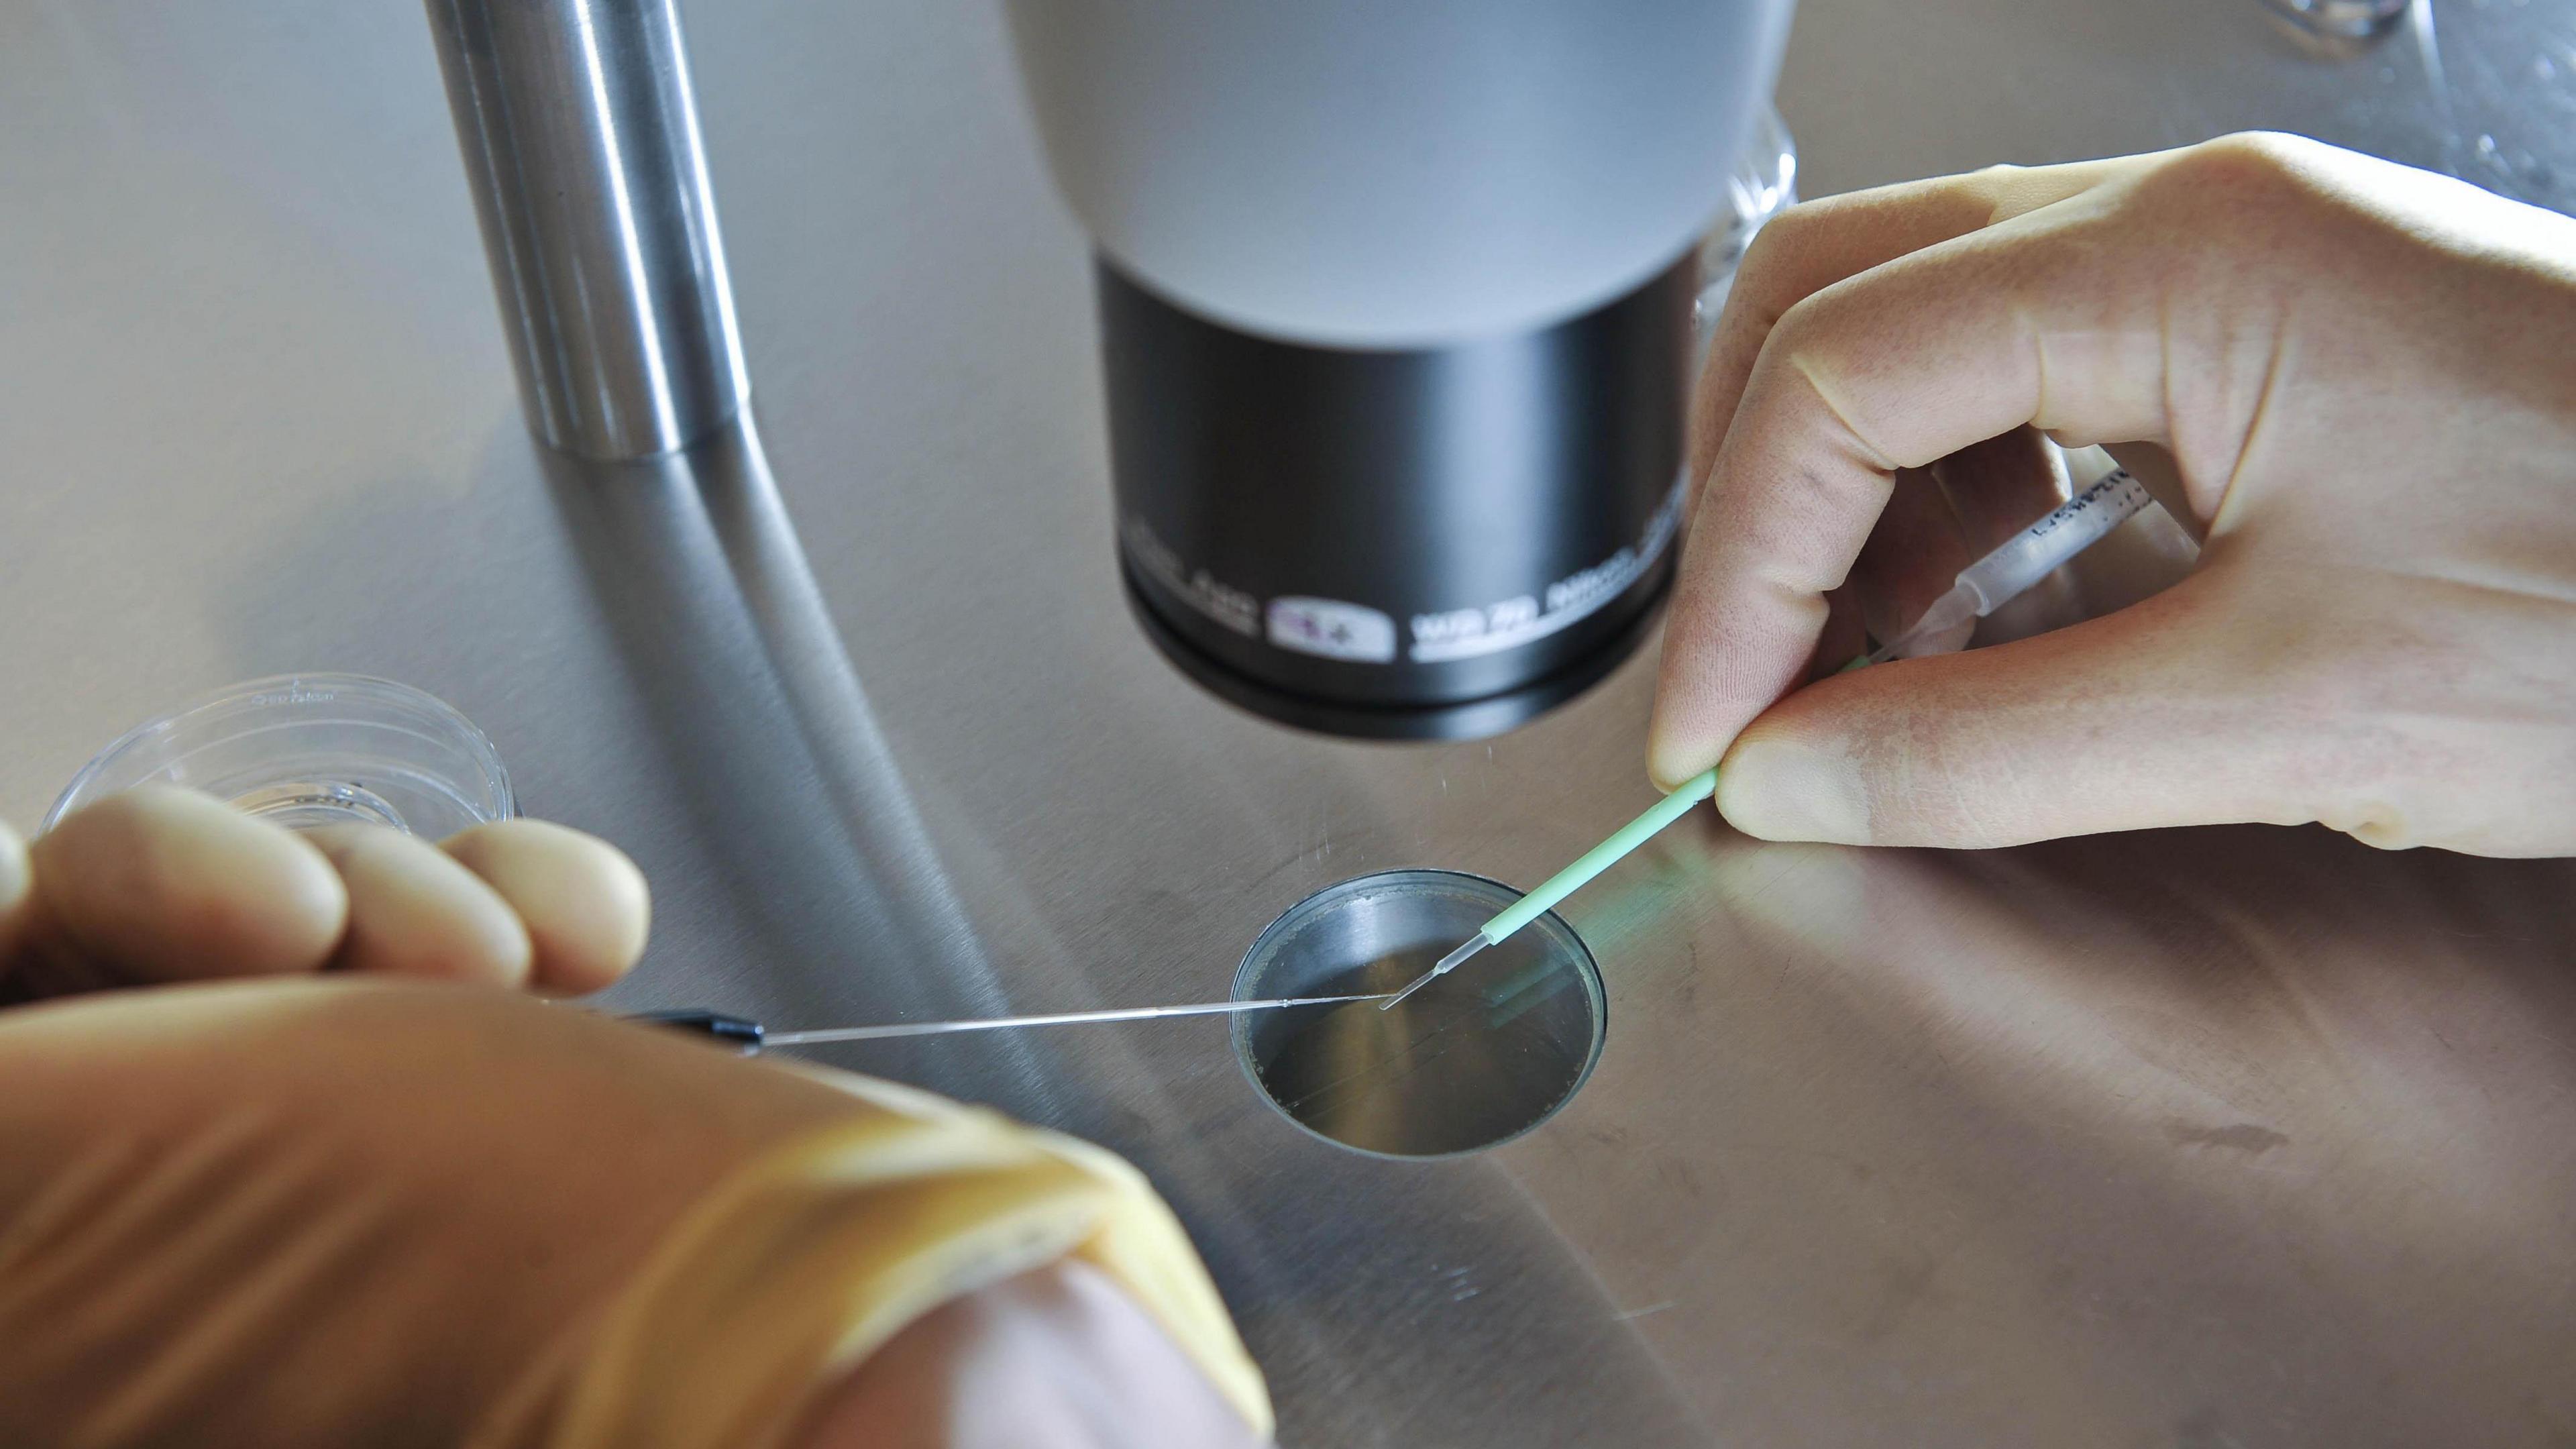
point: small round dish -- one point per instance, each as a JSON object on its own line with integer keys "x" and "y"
{"x": 1473, "y": 1060}
{"x": 314, "y": 749}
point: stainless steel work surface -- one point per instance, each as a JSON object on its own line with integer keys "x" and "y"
{"x": 2222, "y": 1137}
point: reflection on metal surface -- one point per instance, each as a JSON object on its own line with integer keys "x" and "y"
{"x": 779, "y": 754}
{"x": 581, "y": 145}
{"x": 1475, "y": 1058}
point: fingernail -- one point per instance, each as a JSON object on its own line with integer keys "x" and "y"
{"x": 1664, "y": 761}
{"x": 1781, "y": 791}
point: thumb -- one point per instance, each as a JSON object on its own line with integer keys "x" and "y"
{"x": 2139, "y": 719}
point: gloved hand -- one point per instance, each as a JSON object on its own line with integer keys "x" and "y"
{"x": 161, "y": 884}
{"x": 303, "y": 1210}
{"x": 2363, "y": 376}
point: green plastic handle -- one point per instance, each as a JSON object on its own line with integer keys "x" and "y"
{"x": 1600, "y": 857}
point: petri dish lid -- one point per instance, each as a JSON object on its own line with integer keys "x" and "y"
{"x": 314, "y": 749}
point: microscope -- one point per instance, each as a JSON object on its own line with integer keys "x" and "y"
{"x": 1394, "y": 302}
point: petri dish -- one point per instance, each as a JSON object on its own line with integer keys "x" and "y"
{"x": 314, "y": 749}
{"x": 1475, "y": 1059}
{"x": 1763, "y": 184}
{"x": 2351, "y": 20}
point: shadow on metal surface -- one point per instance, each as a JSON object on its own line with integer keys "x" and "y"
{"x": 763, "y": 720}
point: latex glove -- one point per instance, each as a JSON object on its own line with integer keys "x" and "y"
{"x": 285, "y": 1212}
{"x": 161, "y": 884}
{"x": 2364, "y": 377}
{"x": 328, "y": 1212}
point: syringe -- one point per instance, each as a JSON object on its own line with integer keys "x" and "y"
{"x": 2029, "y": 556}
{"x": 1983, "y": 587}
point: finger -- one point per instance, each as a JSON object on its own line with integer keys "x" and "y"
{"x": 1817, "y": 243}
{"x": 2122, "y": 723}
{"x": 1998, "y": 487}
{"x": 584, "y": 903}
{"x": 414, "y": 911}
{"x": 162, "y": 884}
{"x": 2154, "y": 465}
{"x": 1844, "y": 637}
{"x": 1913, "y": 555}
{"x": 1894, "y": 368}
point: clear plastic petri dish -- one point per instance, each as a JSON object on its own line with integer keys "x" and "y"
{"x": 314, "y": 749}
{"x": 2342, "y": 19}
{"x": 1763, "y": 184}
{"x": 1474, "y": 1059}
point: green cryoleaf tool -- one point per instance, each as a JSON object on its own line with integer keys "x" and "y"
{"x": 1571, "y": 879}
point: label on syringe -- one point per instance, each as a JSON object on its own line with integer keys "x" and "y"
{"x": 2118, "y": 494}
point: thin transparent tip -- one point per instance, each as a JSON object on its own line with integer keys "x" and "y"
{"x": 1446, "y": 965}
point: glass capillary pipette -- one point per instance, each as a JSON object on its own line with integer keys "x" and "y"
{"x": 1982, "y": 587}
{"x": 2029, "y": 556}
{"x": 751, "y": 1036}
{"x": 1061, "y": 1018}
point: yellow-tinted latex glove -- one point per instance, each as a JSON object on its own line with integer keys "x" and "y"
{"x": 331, "y": 1212}
{"x": 2364, "y": 376}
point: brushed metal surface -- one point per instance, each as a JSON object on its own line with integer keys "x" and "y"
{"x": 2219, "y": 1137}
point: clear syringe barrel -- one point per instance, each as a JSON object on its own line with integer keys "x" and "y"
{"x": 2069, "y": 529}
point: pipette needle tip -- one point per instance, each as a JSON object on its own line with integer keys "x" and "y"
{"x": 1446, "y": 965}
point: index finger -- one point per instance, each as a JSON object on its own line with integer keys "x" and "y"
{"x": 2021, "y": 322}
{"x": 1818, "y": 243}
